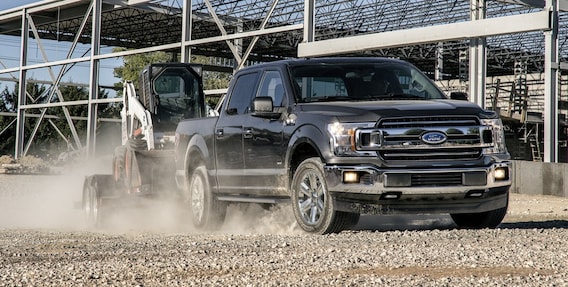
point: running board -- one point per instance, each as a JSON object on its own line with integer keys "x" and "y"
{"x": 252, "y": 199}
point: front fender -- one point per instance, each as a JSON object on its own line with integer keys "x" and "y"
{"x": 311, "y": 135}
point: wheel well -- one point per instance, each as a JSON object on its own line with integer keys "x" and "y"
{"x": 194, "y": 160}
{"x": 301, "y": 152}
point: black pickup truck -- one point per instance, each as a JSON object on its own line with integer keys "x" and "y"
{"x": 340, "y": 137}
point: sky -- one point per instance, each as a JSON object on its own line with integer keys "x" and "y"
{"x": 9, "y": 4}
{"x": 55, "y": 50}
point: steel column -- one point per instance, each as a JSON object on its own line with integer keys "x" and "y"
{"x": 551, "y": 74}
{"x": 94, "y": 77}
{"x": 186, "y": 28}
{"x": 438, "y": 73}
{"x": 477, "y": 55}
{"x": 309, "y": 21}
{"x": 21, "y": 118}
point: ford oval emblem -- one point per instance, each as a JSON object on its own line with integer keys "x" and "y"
{"x": 434, "y": 137}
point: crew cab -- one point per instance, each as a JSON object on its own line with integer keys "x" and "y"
{"x": 340, "y": 137}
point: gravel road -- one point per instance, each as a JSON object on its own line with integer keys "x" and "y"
{"x": 43, "y": 242}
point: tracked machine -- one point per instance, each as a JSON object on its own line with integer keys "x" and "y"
{"x": 143, "y": 166}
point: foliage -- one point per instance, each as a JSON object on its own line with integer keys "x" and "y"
{"x": 133, "y": 64}
{"x": 212, "y": 80}
{"x": 47, "y": 142}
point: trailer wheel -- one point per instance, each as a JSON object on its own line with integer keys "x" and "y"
{"x": 207, "y": 212}
{"x": 92, "y": 202}
{"x": 312, "y": 203}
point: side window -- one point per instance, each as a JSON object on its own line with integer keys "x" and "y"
{"x": 177, "y": 94}
{"x": 242, "y": 93}
{"x": 271, "y": 86}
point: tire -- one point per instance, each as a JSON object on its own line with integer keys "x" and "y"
{"x": 92, "y": 202}
{"x": 206, "y": 211}
{"x": 119, "y": 165}
{"x": 138, "y": 144}
{"x": 489, "y": 219}
{"x": 312, "y": 203}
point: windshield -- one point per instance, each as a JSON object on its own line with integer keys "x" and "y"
{"x": 362, "y": 81}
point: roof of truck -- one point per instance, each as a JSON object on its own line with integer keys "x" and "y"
{"x": 327, "y": 60}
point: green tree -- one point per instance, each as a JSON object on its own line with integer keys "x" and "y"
{"x": 7, "y": 124}
{"x": 134, "y": 64}
{"x": 47, "y": 139}
{"x": 212, "y": 80}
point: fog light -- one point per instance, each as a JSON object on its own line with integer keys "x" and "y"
{"x": 350, "y": 177}
{"x": 501, "y": 173}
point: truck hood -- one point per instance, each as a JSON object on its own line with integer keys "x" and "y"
{"x": 371, "y": 111}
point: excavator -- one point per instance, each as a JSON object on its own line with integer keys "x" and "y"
{"x": 143, "y": 166}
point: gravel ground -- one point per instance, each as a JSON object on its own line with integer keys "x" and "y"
{"x": 43, "y": 242}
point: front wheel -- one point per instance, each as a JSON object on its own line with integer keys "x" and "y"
{"x": 489, "y": 219}
{"x": 207, "y": 212}
{"x": 312, "y": 203}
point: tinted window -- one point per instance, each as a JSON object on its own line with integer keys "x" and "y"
{"x": 362, "y": 81}
{"x": 178, "y": 94}
{"x": 242, "y": 94}
{"x": 271, "y": 86}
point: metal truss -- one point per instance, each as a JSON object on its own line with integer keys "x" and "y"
{"x": 246, "y": 31}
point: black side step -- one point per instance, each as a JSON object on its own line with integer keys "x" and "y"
{"x": 253, "y": 199}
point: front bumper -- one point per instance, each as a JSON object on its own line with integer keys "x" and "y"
{"x": 433, "y": 190}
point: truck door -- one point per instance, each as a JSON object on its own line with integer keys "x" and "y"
{"x": 229, "y": 135}
{"x": 263, "y": 141}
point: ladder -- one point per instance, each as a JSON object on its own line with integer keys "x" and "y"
{"x": 535, "y": 148}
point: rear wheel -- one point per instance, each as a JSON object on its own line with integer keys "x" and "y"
{"x": 312, "y": 203}
{"x": 207, "y": 212}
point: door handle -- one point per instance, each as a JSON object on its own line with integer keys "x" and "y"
{"x": 247, "y": 133}
{"x": 219, "y": 133}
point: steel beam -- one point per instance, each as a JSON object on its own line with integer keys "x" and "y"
{"x": 255, "y": 38}
{"x": 536, "y": 21}
{"x": 231, "y": 46}
{"x": 56, "y": 89}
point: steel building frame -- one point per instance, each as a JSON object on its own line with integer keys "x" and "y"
{"x": 430, "y": 34}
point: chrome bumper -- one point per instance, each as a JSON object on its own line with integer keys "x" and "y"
{"x": 379, "y": 181}
{"x": 478, "y": 190}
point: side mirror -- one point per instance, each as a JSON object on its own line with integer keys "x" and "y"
{"x": 263, "y": 107}
{"x": 262, "y": 104}
{"x": 461, "y": 96}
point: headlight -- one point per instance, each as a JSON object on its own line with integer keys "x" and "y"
{"x": 497, "y": 136}
{"x": 343, "y": 137}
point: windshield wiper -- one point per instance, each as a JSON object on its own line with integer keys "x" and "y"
{"x": 400, "y": 96}
{"x": 328, "y": 99}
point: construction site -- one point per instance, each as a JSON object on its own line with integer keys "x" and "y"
{"x": 505, "y": 55}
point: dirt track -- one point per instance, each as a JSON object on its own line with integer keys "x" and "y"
{"x": 44, "y": 243}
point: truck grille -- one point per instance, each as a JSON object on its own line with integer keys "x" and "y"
{"x": 436, "y": 179}
{"x": 403, "y": 138}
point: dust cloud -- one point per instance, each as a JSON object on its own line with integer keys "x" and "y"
{"x": 54, "y": 202}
